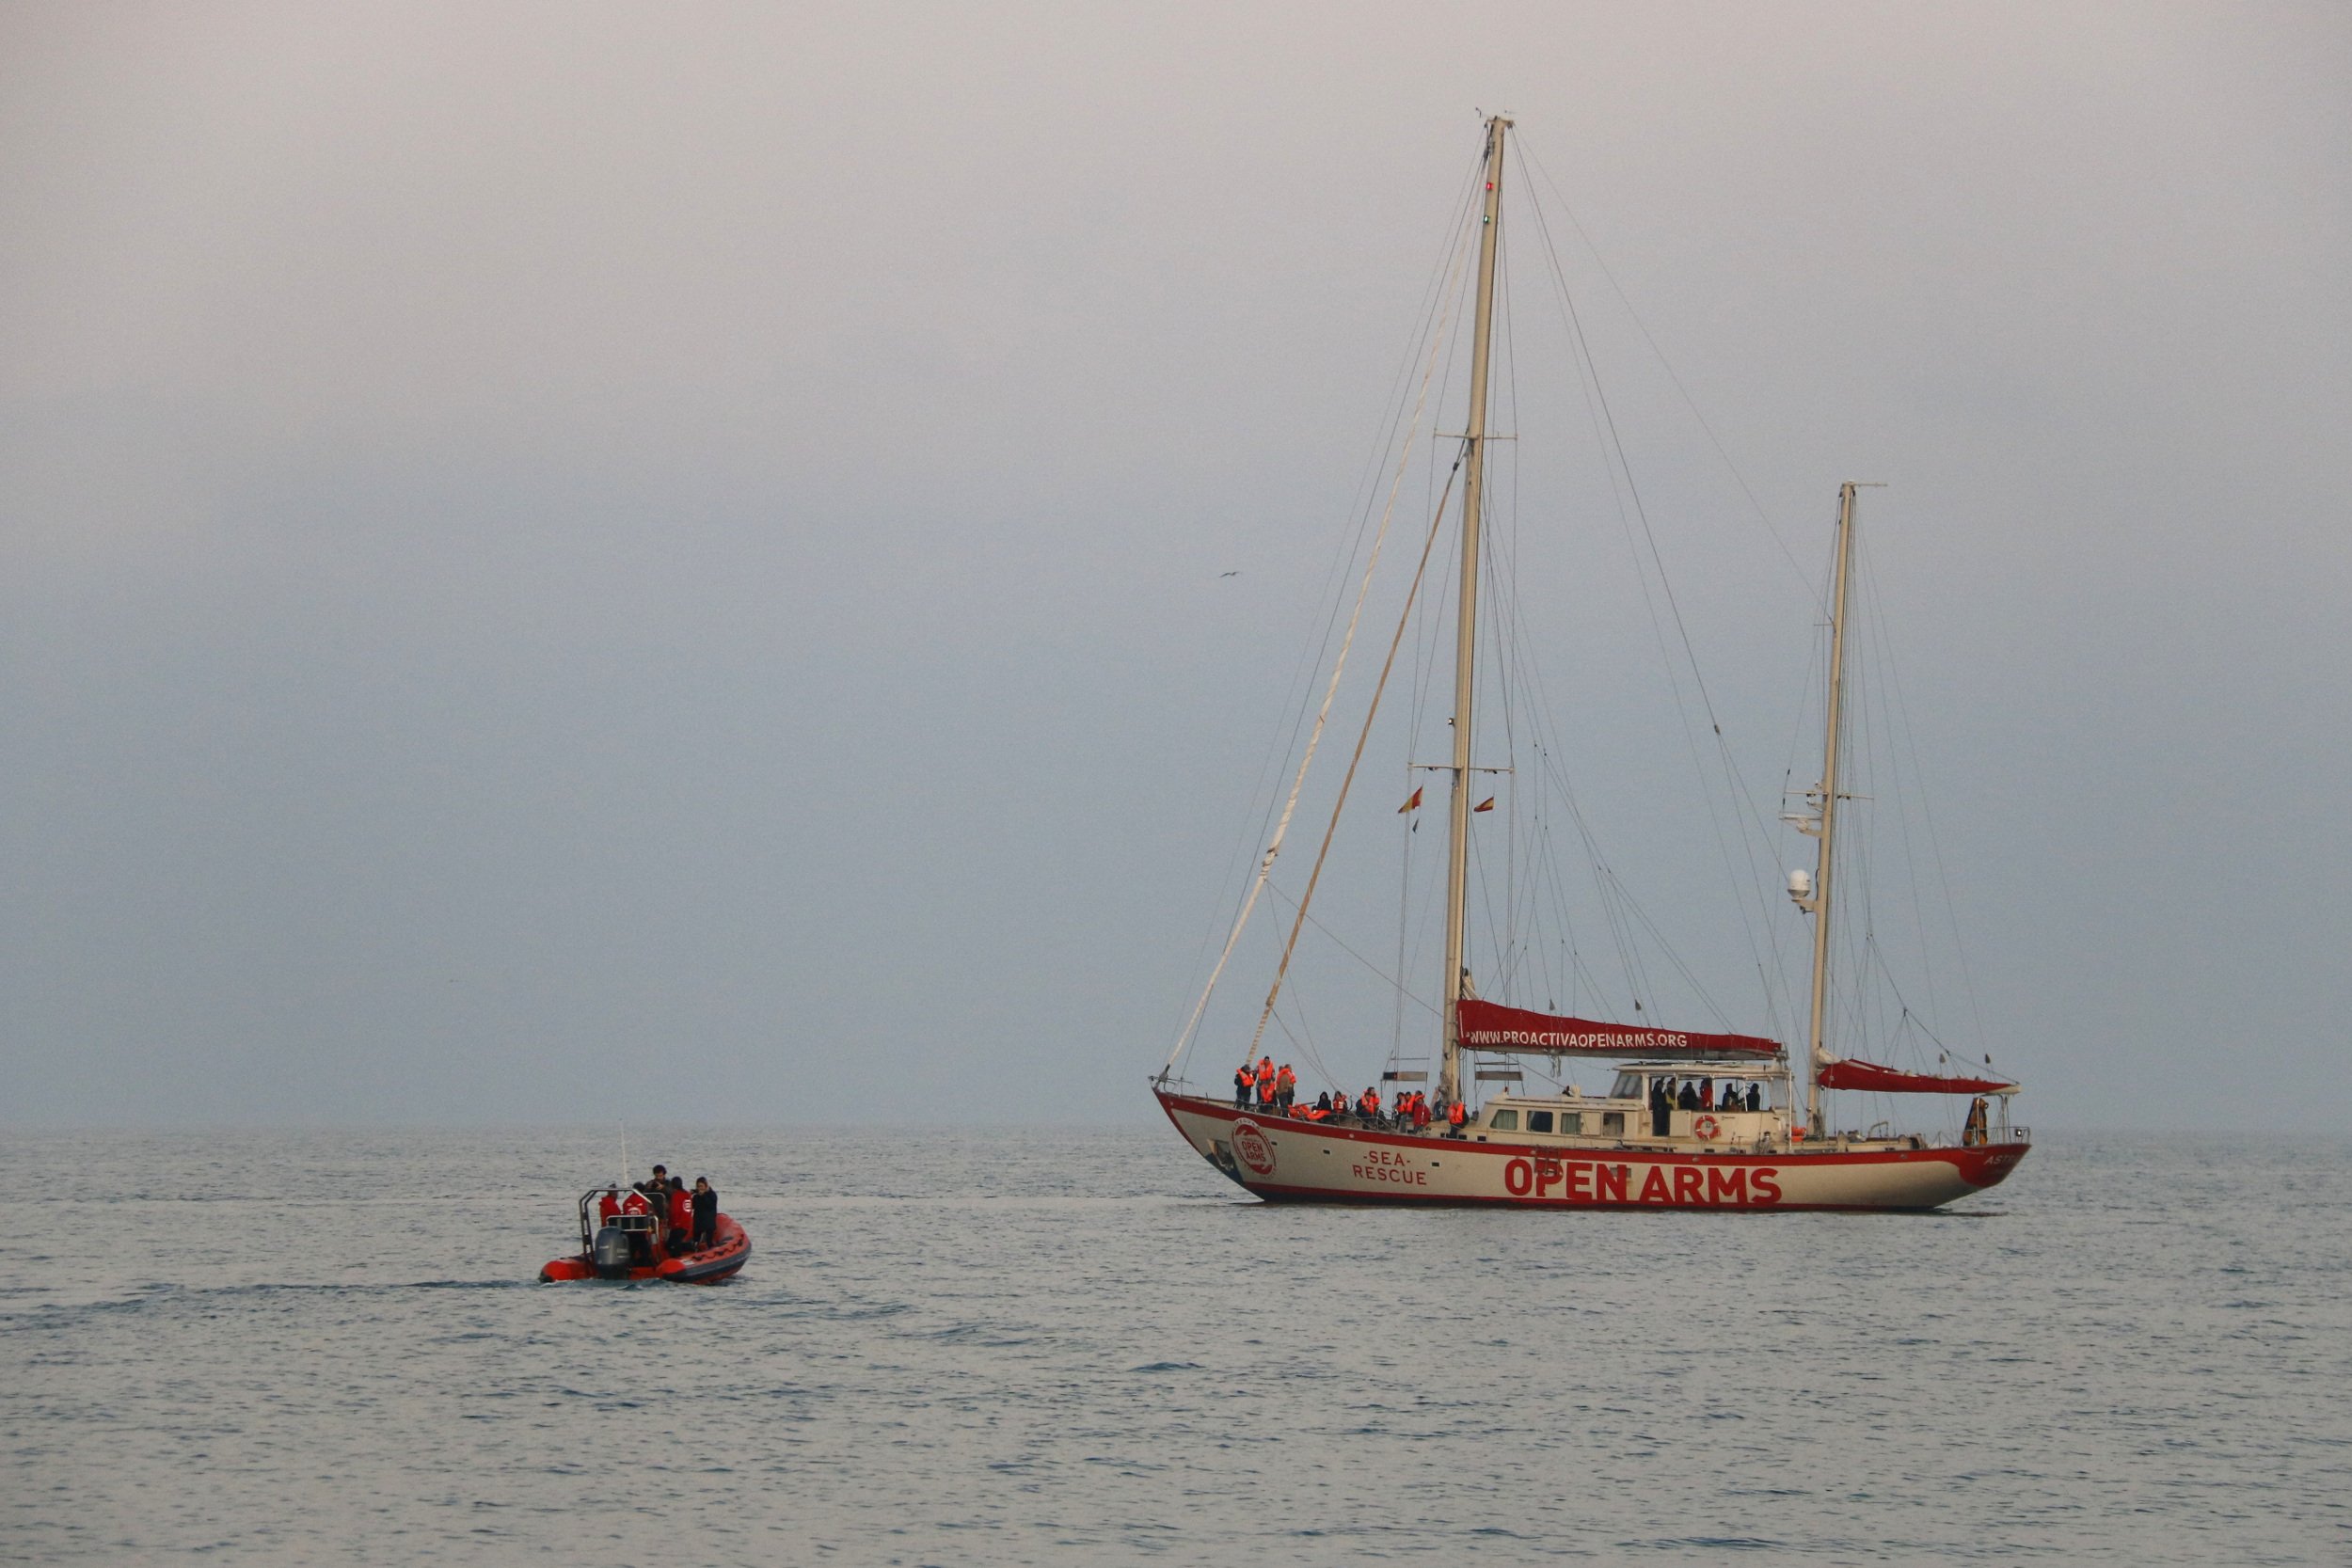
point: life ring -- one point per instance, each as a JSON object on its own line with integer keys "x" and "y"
{"x": 1706, "y": 1127}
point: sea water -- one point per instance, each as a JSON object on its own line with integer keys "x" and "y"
{"x": 975, "y": 1347}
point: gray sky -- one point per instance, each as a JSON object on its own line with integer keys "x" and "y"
{"x": 570, "y": 561}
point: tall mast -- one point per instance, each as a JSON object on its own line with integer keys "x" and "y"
{"x": 1466, "y": 627}
{"x": 1824, "y": 799}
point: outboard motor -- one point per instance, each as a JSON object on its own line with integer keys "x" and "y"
{"x": 611, "y": 1255}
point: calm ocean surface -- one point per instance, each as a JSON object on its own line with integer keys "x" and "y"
{"x": 1021, "y": 1347}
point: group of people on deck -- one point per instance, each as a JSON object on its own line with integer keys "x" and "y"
{"x": 1275, "y": 1091}
{"x": 1274, "y": 1088}
{"x": 1698, "y": 1094}
{"x": 683, "y": 1221}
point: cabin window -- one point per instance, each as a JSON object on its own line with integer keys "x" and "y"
{"x": 1613, "y": 1124}
{"x": 1539, "y": 1121}
{"x": 1503, "y": 1122}
{"x": 1571, "y": 1122}
{"x": 1628, "y": 1086}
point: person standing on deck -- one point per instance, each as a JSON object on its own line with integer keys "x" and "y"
{"x": 1285, "y": 1087}
{"x": 681, "y": 1214}
{"x": 609, "y": 1206}
{"x": 705, "y": 1205}
{"x": 1243, "y": 1082}
{"x": 1266, "y": 1082}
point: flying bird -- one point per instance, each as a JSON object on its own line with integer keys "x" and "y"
{"x": 1229, "y": 573}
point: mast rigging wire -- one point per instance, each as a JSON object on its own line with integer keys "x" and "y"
{"x": 1265, "y": 865}
{"x": 1607, "y": 415}
{"x": 1347, "y": 780}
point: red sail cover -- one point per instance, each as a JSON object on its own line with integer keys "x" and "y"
{"x": 1490, "y": 1026}
{"x": 1888, "y": 1080}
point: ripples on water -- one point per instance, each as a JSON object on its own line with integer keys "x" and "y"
{"x": 1065, "y": 1348}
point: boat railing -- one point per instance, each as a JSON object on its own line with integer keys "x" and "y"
{"x": 590, "y": 1222}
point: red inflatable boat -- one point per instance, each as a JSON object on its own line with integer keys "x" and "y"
{"x": 629, "y": 1247}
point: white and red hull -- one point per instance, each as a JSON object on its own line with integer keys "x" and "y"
{"x": 1284, "y": 1160}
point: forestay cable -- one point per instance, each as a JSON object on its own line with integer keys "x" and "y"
{"x": 1363, "y": 591}
{"x": 1324, "y": 851}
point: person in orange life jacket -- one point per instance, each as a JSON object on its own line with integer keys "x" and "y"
{"x": 1457, "y": 1117}
{"x": 1368, "y": 1105}
{"x": 1243, "y": 1082}
{"x": 704, "y": 1207}
{"x": 1266, "y": 1077}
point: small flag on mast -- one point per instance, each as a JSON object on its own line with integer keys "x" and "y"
{"x": 1409, "y": 805}
{"x": 1486, "y": 804}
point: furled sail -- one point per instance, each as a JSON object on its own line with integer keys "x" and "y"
{"x": 1888, "y": 1080}
{"x": 1491, "y": 1026}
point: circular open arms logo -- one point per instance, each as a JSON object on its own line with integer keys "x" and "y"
{"x": 1252, "y": 1150}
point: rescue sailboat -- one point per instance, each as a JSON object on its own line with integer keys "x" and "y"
{"x": 1690, "y": 1120}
